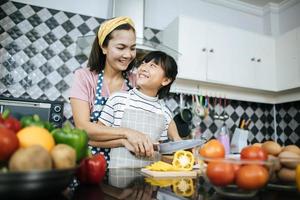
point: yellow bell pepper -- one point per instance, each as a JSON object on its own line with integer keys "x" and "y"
{"x": 298, "y": 177}
{"x": 183, "y": 187}
{"x": 183, "y": 160}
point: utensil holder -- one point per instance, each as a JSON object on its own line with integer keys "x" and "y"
{"x": 239, "y": 140}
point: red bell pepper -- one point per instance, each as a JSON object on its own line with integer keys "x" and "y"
{"x": 92, "y": 169}
{"x": 9, "y": 122}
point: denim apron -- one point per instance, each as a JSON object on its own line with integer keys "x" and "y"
{"x": 98, "y": 106}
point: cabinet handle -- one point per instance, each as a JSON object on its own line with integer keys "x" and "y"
{"x": 252, "y": 59}
{"x": 211, "y": 51}
{"x": 259, "y": 60}
{"x": 204, "y": 49}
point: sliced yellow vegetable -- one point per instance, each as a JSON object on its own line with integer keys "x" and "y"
{"x": 159, "y": 182}
{"x": 183, "y": 187}
{"x": 183, "y": 160}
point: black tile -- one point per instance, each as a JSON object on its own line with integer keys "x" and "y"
{"x": 270, "y": 130}
{"x": 30, "y": 51}
{"x": 28, "y": 67}
{"x": 44, "y": 84}
{"x": 254, "y": 130}
{"x": 154, "y": 39}
{"x": 270, "y": 118}
{"x": 17, "y": 17}
{"x": 278, "y": 118}
{"x": 213, "y": 128}
{"x": 85, "y": 17}
{"x": 234, "y": 116}
{"x": 68, "y": 26}
{"x": 65, "y": 55}
{"x": 1, "y": 30}
{"x": 254, "y": 118}
{"x": 10, "y": 65}
{"x": 46, "y": 69}
{"x": 263, "y": 118}
{"x": 69, "y": 14}
{"x": 53, "y": 12}
{"x": 36, "y": 8}
{"x": 32, "y": 35}
{"x": 35, "y": 20}
{"x": 63, "y": 70}
{"x": 50, "y": 38}
{"x": 99, "y": 20}
{"x": 18, "y": 5}
{"x": 62, "y": 86}
{"x": 25, "y": 96}
{"x": 288, "y": 131}
{"x": 66, "y": 40}
{"x": 12, "y": 48}
{"x": 14, "y": 32}
{"x": 26, "y": 82}
{"x": 48, "y": 53}
{"x": 7, "y": 80}
{"x": 81, "y": 58}
{"x": 51, "y": 23}
{"x": 287, "y": 118}
{"x": 2, "y": 14}
{"x": 83, "y": 28}
{"x": 263, "y": 130}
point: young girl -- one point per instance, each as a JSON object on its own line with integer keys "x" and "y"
{"x": 141, "y": 108}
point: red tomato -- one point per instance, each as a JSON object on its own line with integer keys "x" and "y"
{"x": 220, "y": 173}
{"x": 9, "y": 143}
{"x": 236, "y": 168}
{"x": 212, "y": 149}
{"x": 252, "y": 177}
{"x": 254, "y": 153}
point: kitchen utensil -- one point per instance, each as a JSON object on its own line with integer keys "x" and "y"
{"x": 185, "y": 112}
{"x": 201, "y": 108}
{"x": 206, "y": 106}
{"x": 171, "y": 147}
{"x": 221, "y": 116}
{"x": 182, "y": 126}
{"x": 214, "y": 114}
{"x": 225, "y": 115}
{"x": 35, "y": 184}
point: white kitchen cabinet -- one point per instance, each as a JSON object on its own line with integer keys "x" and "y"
{"x": 219, "y": 54}
{"x": 288, "y": 60}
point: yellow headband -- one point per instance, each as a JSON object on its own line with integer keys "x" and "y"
{"x": 108, "y": 26}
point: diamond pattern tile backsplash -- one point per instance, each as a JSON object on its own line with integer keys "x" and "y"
{"x": 39, "y": 54}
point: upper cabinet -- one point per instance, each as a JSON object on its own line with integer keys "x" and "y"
{"x": 220, "y": 54}
{"x": 288, "y": 60}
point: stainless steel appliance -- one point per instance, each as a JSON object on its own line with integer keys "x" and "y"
{"x": 51, "y": 111}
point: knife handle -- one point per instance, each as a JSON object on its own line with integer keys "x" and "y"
{"x": 156, "y": 147}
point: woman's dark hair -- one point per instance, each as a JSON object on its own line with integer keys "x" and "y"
{"x": 96, "y": 61}
{"x": 169, "y": 66}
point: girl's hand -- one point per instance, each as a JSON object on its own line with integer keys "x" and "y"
{"x": 140, "y": 142}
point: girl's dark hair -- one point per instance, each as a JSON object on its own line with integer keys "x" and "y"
{"x": 169, "y": 66}
{"x": 96, "y": 61}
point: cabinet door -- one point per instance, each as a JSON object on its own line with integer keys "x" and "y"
{"x": 265, "y": 67}
{"x": 219, "y": 59}
{"x": 192, "y": 46}
{"x": 287, "y": 57}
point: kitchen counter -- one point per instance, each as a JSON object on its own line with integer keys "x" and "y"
{"x": 130, "y": 184}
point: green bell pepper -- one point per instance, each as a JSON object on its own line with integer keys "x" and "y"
{"x": 76, "y": 138}
{"x": 35, "y": 120}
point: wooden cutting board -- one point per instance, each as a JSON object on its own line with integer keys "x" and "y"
{"x": 177, "y": 174}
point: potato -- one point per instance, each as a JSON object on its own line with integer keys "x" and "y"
{"x": 289, "y": 159}
{"x": 31, "y": 158}
{"x": 292, "y": 148}
{"x": 271, "y": 147}
{"x": 257, "y": 144}
{"x": 277, "y": 165}
{"x": 63, "y": 156}
{"x": 287, "y": 175}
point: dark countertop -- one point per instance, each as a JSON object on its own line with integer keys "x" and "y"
{"x": 130, "y": 184}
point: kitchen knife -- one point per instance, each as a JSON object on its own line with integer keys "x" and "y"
{"x": 171, "y": 147}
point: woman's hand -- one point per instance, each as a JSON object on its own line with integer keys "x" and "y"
{"x": 141, "y": 143}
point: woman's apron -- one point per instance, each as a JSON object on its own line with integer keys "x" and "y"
{"x": 152, "y": 124}
{"x": 98, "y": 106}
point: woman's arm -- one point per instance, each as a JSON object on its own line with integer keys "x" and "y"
{"x": 173, "y": 132}
{"x": 108, "y": 136}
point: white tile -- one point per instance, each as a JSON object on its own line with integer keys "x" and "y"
{"x": 34, "y": 91}
{"x": 27, "y": 11}
{"x": 23, "y": 42}
{"x": 76, "y": 20}
{"x": 56, "y": 62}
{"x": 44, "y": 14}
{"x": 74, "y": 34}
{"x": 38, "y": 60}
{"x": 9, "y": 8}
{"x": 52, "y": 93}
{"x": 72, "y": 64}
{"x": 5, "y": 39}
{"x": 40, "y": 44}
{"x": 7, "y": 23}
{"x": 294, "y": 137}
{"x": 249, "y": 111}
{"x": 18, "y": 74}
{"x": 72, "y": 49}
{"x": 16, "y": 89}
{"x": 57, "y": 47}
{"x": 25, "y": 26}
{"x": 60, "y": 17}
{"x": 42, "y": 29}
{"x": 54, "y": 77}
{"x": 92, "y": 23}
{"x": 36, "y": 76}
{"x": 259, "y": 136}
{"x": 59, "y": 32}
{"x": 20, "y": 58}
{"x": 3, "y": 70}
{"x": 2, "y": 87}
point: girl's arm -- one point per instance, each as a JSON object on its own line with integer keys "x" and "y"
{"x": 173, "y": 132}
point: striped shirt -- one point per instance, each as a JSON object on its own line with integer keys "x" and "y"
{"x": 113, "y": 110}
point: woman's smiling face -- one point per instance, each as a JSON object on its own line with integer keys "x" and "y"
{"x": 120, "y": 50}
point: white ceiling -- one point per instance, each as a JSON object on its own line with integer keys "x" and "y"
{"x": 261, "y": 3}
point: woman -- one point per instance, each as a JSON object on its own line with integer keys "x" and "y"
{"x": 112, "y": 57}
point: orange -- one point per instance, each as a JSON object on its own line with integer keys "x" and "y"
{"x": 212, "y": 149}
{"x": 34, "y": 135}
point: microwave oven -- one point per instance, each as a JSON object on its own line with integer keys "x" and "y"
{"x": 51, "y": 111}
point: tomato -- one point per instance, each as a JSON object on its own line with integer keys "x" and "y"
{"x": 9, "y": 143}
{"x": 252, "y": 177}
{"x": 212, "y": 149}
{"x": 236, "y": 168}
{"x": 254, "y": 153}
{"x": 220, "y": 173}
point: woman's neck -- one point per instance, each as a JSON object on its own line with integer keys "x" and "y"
{"x": 112, "y": 75}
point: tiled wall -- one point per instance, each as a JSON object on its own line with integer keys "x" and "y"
{"x": 38, "y": 58}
